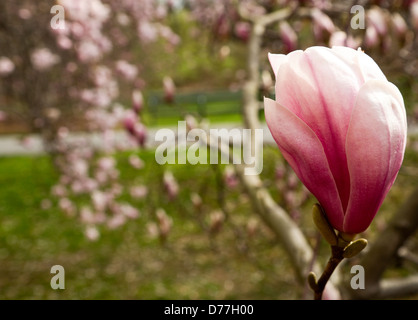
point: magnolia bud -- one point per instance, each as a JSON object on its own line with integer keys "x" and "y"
{"x": 170, "y": 185}
{"x": 137, "y": 101}
{"x": 169, "y": 89}
{"x": 164, "y": 223}
{"x": 288, "y": 36}
{"x": 216, "y": 220}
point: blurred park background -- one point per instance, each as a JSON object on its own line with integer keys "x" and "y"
{"x": 81, "y": 97}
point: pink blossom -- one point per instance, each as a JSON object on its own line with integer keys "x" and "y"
{"x": 340, "y": 38}
{"x": 136, "y": 162}
{"x": 230, "y": 178}
{"x": 127, "y": 70}
{"x": 140, "y": 134}
{"x": 106, "y": 163}
{"x": 6, "y": 66}
{"x": 87, "y": 215}
{"x": 3, "y": 116}
{"x": 137, "y": 101}
{"x": 399, "y": 25}
{"x": 371, "y": 38}
{"x": 59, "y": 190}
{"x": 147, "y": 31}
{"x": 100, "y": 200}
{"x": 341, "y": 126}
{"x": 169, "y": 89}
{"x": 24, "y": 14}
{"x": 138, "y": 192}
{"x": 92, "y": 233}
{"x": 67, "y": 206}
{"x": 43, "y": 59}
{"x": 196, "y": 200}
{"x": 170, "y": 185}
{"x": 64, "y": 42}
{"x": 376, "y": 17}
{"x": 88, "y": 51}
{"x": 165, "y": 223}
{"x": 129, "y": 121}
{"x": 216, "y": 220}
{"x": 322, "y": 24}
{"x": 116, "y": 221}
{"x": 129, "y": 211}
{"x": 414, "y": 14}
{"x": 288, "y": 36}
{"x": 243, "y": 30}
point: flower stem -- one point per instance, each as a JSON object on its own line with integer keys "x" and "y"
{"x": 333, "y": 262}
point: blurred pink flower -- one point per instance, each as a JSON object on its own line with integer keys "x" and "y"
{"x": 43, "y": 59}
{"x": 138, "y": 192}
{"x": 136, "y": 162}
{"x": 371, "y": 38}
{"x": 288, "y": 36}
{"x": 127, "y": 70}
{"x": 67, "y": 206}
{"x": 340, "y": 38}
{"x": 216, "y": 220}
{"x": 6, "y": 66}
{"x": 129, "y": 211}
{"x": 399, "y": 25}
{"x": 92, "y": 233}
{"x": 165, "y": 223}
{"x": 169, "y": 89}
{"x": 137, "y": 101}
{"x": 376, "y": 17}
{"x": 414, "y": 14}
{"x": 322, "y": 25}
{"x": 116, "y": 221}
{"x": 242, "y": 30}
{"x": 170, "y": 185}
{"x": 341, "y": 126}
{"x": 3, "y": 116}
{"x": 230, "y": 178}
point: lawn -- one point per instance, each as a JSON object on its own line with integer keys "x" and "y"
{"x": 128, "y": 263}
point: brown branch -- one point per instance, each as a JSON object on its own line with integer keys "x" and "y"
{"x": 398, "y": 288}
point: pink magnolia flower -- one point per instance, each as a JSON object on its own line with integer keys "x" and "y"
{"x": 137, "y": 101}
{"x": 169, "y": 89}
{"x": 341, "y": 126}
{"x": 6, "y": 66}
{"x": 288, "y": 36}
{"x": 43, "y": 59}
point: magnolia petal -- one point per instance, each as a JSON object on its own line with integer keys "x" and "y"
{"x": 304, "y": 152}
{"x": 276, "y": 61}
{"x": 360, "y": 63}
{"x": 375, "y": 146}
{"x": 320, "y": 88}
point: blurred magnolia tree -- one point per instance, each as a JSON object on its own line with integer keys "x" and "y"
{"x": 79, "y": 77}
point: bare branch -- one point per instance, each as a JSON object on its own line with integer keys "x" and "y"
{"x": 398, "y": 288}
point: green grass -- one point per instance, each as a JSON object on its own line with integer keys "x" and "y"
{"x": 127, "y": 263}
